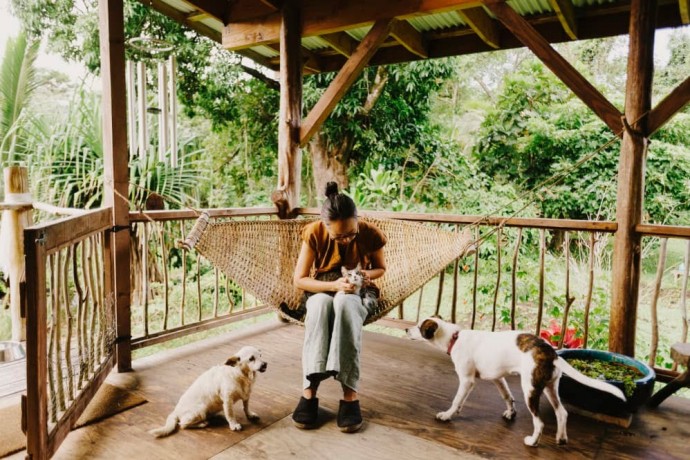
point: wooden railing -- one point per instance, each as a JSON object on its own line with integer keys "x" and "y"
{"x": 181, "y": 292}
{"x": 662, "y": 305}
{"x": 69, "y": 307}
{"x": 527, "y": 275}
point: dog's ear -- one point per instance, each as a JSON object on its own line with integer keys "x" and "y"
{"x": 428, "y": 328}
{"x": 359, "y": 266}
{"x": 232, "y": 361}
{"x": 343, "y": 270}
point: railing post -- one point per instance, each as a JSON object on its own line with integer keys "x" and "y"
{"x": 36, "y": 347}
{"x": 116, "y": 158}
{"x": 626, "y": 250}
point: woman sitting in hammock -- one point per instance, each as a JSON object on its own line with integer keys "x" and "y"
{"x": 333, "y": 325}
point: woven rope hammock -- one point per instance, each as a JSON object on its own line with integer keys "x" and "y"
{"x": 261, "y": 256}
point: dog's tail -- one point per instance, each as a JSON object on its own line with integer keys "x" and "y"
{"x": 573, "y": 373}
{"x": 168, "y": 429}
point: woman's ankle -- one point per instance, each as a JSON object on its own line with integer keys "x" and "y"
{"x": 309, "y": 393}
{"x": 349, "y": 394}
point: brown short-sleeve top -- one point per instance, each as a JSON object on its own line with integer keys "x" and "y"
{"x": 330, "y": 255}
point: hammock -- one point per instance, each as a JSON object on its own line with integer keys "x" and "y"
{"x": 261, "y": 257}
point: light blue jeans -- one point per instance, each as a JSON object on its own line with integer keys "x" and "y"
{"x": 333, "y": 338}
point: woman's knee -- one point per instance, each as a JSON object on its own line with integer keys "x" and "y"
{"x": 319, "y": 305}
{"x": 349, "y": 305}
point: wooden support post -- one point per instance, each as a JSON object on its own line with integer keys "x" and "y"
{"x": 286, "y": 195}
{"x": 14, "y": 221}
{"x": 116, "y": 165}
{"x": 626, "y": 247}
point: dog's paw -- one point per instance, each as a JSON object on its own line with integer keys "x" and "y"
{"x": 509, "y": 414}
{"x": 562, "y": 441}
{"x": 234, "y": 426}
{"x": 531, "y": 441}
{"x": 252, "y": 417}
{"x": 444, "y": 416}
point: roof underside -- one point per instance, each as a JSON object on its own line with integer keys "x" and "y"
{"x": 332, "y": 29}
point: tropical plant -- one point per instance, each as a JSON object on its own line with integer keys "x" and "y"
{"x": 18, "y": 80}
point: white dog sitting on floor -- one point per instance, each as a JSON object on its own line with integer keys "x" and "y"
{"x": 494, "y": 355}
{"x": 217, "y": 390}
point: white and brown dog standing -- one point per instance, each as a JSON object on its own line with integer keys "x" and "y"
{"x": 494, "y": 355}
{"x": 217, "y": 390}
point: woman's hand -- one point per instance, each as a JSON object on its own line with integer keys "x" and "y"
{"x": 366, "y": 279}
{"x": 343, "y": 285}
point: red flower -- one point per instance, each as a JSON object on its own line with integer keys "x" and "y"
{"x": 553, "y": 335}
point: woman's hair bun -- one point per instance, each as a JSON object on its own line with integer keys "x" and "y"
{"x": 331, "y": 189}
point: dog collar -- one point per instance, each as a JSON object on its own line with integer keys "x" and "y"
{"x": 453, "y": 339}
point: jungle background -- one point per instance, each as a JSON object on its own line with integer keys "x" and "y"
{"x": 474, "y": 135}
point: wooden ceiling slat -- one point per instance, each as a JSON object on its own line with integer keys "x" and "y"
{"x": 341, "y": 42}
{"x": 483, "y": 25}
{"x": 558, "y": 65}
{"x": 213, "y": 8}
{"x": 566, "y": 14}
{"x": 196, "y": 16}
{"x": 320, "y": 17}
{"x": 684, "y": 6}
{"x": 410, "y": 38}
{"x": 345, "y": 78}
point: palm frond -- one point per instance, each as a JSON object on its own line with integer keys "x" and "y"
{"x": 17, "y": 81}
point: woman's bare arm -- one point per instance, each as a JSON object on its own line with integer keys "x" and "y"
{"x": 378, "y": 265}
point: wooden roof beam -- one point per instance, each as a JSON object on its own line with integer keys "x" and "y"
{"x": 684, "y": 6}
{"x": 320, "y": 17}
{"x": 573, "y": 79}
{"x": 311, "y": 62}
{"x": 216, "y": 9}
{"x": 195, "y": 16}
{"x": 566, "y": 15}
{"x": 669, "y": 106}
{"x": 483, "y": 25}
{"x": 341, "y": 42}
{"x": 345, "y": 78}
{"x": 410, "y": 38}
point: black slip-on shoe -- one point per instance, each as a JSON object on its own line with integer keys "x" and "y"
{"x": 349, "y": 416}
{"x": 306, "y": 413}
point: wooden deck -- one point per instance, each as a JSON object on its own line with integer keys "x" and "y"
{"x": 404, "y": 384}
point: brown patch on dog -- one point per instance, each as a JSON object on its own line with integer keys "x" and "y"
{"x": 428, "y": 328}
{"x": 544, "y": 357}
{"x": 232, "y": 361}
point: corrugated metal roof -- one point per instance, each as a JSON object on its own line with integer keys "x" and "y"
{"x": 179, "y": 5}
{"x": 314, "y": 43}
{"x": 266, "y": 51}
{"x": 437, "y": 21}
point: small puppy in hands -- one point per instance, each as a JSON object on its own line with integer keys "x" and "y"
{"x": 217, "y": 390}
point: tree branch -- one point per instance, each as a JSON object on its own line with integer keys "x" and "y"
{"x": 271, "y": 83}
{"x": 376, "y": 90}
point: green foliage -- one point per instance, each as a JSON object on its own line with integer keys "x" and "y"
{"x": 18, "y": 80}
{"x": 539, "y": 131}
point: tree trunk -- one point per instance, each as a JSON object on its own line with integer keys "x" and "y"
{"x": 328, "y": 164}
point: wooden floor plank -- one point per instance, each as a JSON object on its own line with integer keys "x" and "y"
{"x": 374, "y": 441}
{"x": 404, "y": 384}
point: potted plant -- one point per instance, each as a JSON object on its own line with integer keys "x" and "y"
{"x": 633, "y": 377}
